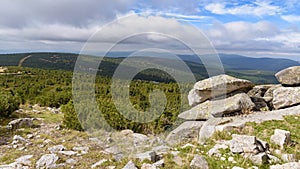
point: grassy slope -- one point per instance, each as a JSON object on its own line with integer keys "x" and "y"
{"x": 72, "y": 138}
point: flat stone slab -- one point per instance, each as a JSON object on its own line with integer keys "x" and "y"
{"x": 216, "y": 86}
{"x": 258, "y": 117}
{"x": 218, "y": 108}
{"x": 228, "y": 123}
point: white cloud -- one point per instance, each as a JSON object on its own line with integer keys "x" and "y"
{"x": 259, "y": 8}
{"x": 20, "y": 14}
{"x": 291, "y": 18}
{"x": 253, "y": 38}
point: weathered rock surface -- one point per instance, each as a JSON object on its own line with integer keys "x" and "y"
{"x": 199, "y": 162}
{"x": 258, "y": 117}
{"x": 67, "y": 153}
{"x": 260, "y": 104}
{"x": 24, "y": 160}
{"x": 259, "y": 90}
{"x": 259, "y": 159}
{"x": 149, "y": 155}
{"x": 185, "y": 132}
{"x": 288, "y": 157}
{"x": 216, "y": 86}
{"x": 286, "y": 97}
{"x": 130, "y": 165}
{"x": 292, "y": 165}
{"x": 281, "y": 137}
{"x": 148, "y": 166}
{"x": 56, "y": 148}
{"x": 99, "y": 163}
{"x": 289, "y": 76}
{"x": 47, "y": 161}
{"x": 218, "y": 108}
{"x": 209, "y": 127}
{"x": 243, "y": 144}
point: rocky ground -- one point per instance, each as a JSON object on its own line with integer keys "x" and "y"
{"x": 243, "y": 126}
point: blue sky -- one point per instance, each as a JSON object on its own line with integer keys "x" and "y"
{"x": 259, "y": 28}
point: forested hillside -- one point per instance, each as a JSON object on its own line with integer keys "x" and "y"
{"x": 243, "y": 67}
{"x": 52, "y": 88}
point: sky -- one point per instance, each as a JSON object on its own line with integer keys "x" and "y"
{"x": 259, "y": 28}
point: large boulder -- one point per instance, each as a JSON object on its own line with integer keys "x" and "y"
{"x": 286, "y": 97}
{"x": 289, "y": 76}
{"x": 216, "y": 86}
{"x": 185, "y": 132}
{"x": 219, "y": 108}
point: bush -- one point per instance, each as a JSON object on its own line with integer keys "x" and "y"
{"x": 70, "y": 119}
{"x": 8, "y": 104}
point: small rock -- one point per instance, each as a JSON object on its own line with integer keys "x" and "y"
{"x": 127, "y": 132}
{"x": 110, "y": 167}
{"x": 199, "y": 162}
{"x": 273, "y": 159}
{"x": 188, "y": 145}
{"x": 259, "y": 159}
{"x": 67, "y": 153}
{"x": 71, "y": 161}
{"x": 148, "y": 166}
{"x": 81, "y": 149}
{"x": 243, "y": 144}
{"x": 47, "y": 141}
{"x": 215, "y": 150}
{"x": 149, "y": 155}
{"x": 178, "y": 160}
{"x": 130, "y": 165}
{"x": 159, "y": 163}
{"x": 112, "y": 150}
{"x": 230, "y": 159}
{"x": 161, "y": 150}
{"x": 138, "y": 138}
{"x": 24, "y": 160}
{"x": 56, "y": 149}
{"x": 98, "y": 163}
{"x": 281, "y": 138}
{"x": 288, "y": 157}
{"x": 30, "y": 136}
{"x": 18, "y": 138}
{"x": 237, "y": 167}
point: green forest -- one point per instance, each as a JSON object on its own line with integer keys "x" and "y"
{"x": 53, "y": 88}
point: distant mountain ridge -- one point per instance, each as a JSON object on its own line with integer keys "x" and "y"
{"x": 258, "y": 70}
{"x": 239, "y": 62}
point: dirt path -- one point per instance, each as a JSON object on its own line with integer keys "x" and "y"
{"x": 23, "y": 59}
